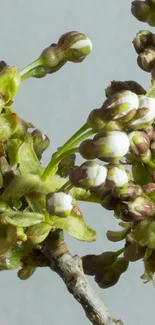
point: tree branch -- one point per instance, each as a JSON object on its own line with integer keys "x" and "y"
{"x": 70, "y": 270}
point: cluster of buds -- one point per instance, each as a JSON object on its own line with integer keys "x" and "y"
{"x": 123, "y": 110}
{"x": 106, "y": 268}
{"x": 144, "y": 11}
{"x": 71, "y": 47}
{"x": 144, "y": 44}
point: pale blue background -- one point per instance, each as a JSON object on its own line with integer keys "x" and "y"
{"x": 59, "y": 104}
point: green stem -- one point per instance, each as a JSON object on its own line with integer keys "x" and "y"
{"x": 83, "y": 137}
{"x": 52, "y": 167}
{"x": 26, "y": 72}
{"x": 151, "y": 92}
{"x": 74, "y": 140}
{"x": 71, "y": 140}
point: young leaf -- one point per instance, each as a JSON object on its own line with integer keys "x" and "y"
{"x": 37, "y": 233}
{"x": 12, "y": 151}
{"x": 75, "y": 225}
{"x": 28, "y": 161}
{"x": 140, "y": 174}
{"x": 21, "y": 219}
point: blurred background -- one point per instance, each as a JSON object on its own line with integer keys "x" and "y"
{"x": 59, "y": 105}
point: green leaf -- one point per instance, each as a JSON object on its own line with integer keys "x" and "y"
{"x": 13, "y": 259}
{"x": 21, "y": 219}
{"x": 37, "y": 233}
{"x": 140, "y": 174}
{"x": 8, "y": 125}
{"x": 75, "y": 226}
{"x": 12, "y": 151}
{"x": 28, "y": 161}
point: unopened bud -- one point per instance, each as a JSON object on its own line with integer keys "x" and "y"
{"x": 145, "y": 121}
{"x": 96, "y": 119}
{"x": 139, "y": 142}
{"x": 10, "y": 81}
{"x": 26, "y": 272}
{"x": 88, "y": 175}
{"x": 108, "y": 201}
{"x": 133, "y": 252}
{"x": 40, "y": 142}
{"x": 66, "y": 165}
{"x": 140, "y": 10}
{"x": 76, "y": 46}
{"x": 116, "y": 176}
{"x": 59, "y": 204}
{"x": 128, "y": 192}
{"x": 119, "y": 105}
{"x": 107, "y": 278}
{"x": 111, "y": 146}
{"x": 146, "y": 59}
{"x": 117, "y": 86}
{"x": 93, "y": 263}
{"x": 143, "y": 40}
{"x": 149, "y": 190}
{"x": 87, "y": 149}
{"x": 141, "y": 208}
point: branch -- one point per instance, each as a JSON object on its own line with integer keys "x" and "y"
{"x": 70, "y": 270}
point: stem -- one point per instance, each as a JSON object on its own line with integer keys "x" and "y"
{"x": 69, "y": 268}
{"x": 26, "y": 72}
{"x": 72, "y": 142}
{"x": 52, "y": 167}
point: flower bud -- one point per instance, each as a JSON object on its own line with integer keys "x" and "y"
{"x": 59, "y": 204}
{"x": 96, "y": 119}
{"x": 119, "y": 105}
{"x": 143, "y": 233}
{"x": 51, "y": 56}
{"x": 108, "y": 201}
{"x": 146, "y": 59}
{"x": 118, "y": 86}
{"x": 26, "y": 272}
{"x": 149, "y": 190}
{"x": 111, "y": 146}
{"x": 116, "y": 176}
{"x": 143, "y": 39}
{"x": 76, "y": 46}
{"x": 145, "y": 121}
{"x": 141, "y": 208}
{"x": 140, "y": 10}
{"x": 128, "y": 192}
{"x": 88, "y": 175}
{"x": 92, "y": 263}
{"x": 107, "y": 278}
{"x": 133, "y": 252}
{"x": 40, "y": 142}
{"x": 87, "y": 149}
{"x": 66, "y": 165}
{"x": 121, "y": 265}
{"x": 139, "y": 142}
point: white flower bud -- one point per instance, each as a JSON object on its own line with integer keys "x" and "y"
{"x": 146, "y": 102}
{"x": 96, "y": 175}
{"x": 129, "y": 100}
{"x": 82, "y": 43}
{"x": 118, "y": 143}
{"x": 59, "y": 203}
{"x": 117, "y": 175}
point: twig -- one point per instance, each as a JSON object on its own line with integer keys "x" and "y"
{"x": 70, "y": 270}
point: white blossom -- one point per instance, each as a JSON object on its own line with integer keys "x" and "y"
{"x": 118, "y": 143}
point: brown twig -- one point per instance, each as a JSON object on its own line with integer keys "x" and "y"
{"x": 70, "y": 270}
